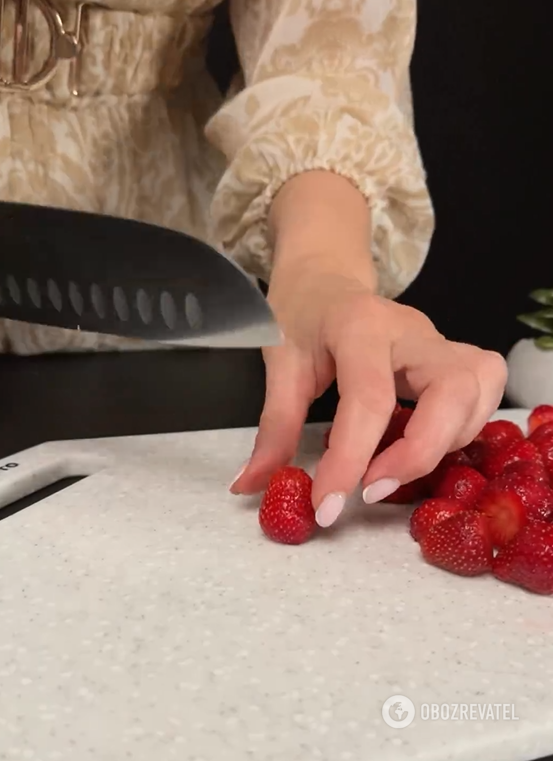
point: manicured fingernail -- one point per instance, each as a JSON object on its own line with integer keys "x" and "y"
{"x": 329, "y": 509}
{"x": 239, "y": 475}
{"x": 380, "y": 490}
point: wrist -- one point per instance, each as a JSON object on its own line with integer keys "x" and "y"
{"x": 320, "y": 223}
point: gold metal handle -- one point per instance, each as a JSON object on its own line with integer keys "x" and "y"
{"x": 65, "y": 45}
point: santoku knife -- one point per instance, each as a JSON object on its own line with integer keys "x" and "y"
{"x": 108, "y": 275}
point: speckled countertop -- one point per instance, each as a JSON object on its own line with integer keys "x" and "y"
{"x": 143, "y": 616}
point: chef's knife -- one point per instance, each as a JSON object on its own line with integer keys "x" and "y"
{"x": 103, "y": 274}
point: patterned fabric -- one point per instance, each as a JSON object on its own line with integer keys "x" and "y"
{"x": 325, "y": 86}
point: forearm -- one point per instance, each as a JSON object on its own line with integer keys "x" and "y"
{"x": 320, "y": 222}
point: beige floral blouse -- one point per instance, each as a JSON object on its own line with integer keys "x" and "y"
{"x": 138, "y": 129}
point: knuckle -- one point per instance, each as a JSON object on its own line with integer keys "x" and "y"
{"x": 378, "y": 398}
{"x": 271, "y": 415}
{"x": 494, "y": 367}
{"x": 463, "y": 386}
{"x": 423, "y": 324}
{"x": 281, "y": 428}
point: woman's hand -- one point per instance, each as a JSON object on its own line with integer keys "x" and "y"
{"x": 323, "y": 294}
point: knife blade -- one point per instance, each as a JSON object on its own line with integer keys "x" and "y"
{"x": 104, "y": 274}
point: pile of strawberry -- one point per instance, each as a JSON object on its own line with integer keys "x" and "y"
{"x": 487, "y": 508}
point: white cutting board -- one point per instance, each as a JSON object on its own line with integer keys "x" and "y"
{"x": 144, "y": 616}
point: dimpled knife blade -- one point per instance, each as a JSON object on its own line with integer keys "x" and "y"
{"x": 108, "y": 275}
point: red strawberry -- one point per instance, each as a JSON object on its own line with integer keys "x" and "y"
{"x": 496, "y": 460}
{"x": 543, "y": 433}
{"x": 459, "y": 457}
{"x": 527, "y": 561}
{"x": 539, "y": 416}
{"x": 499, "y": 432}
{"x": 531, "y": 470}
{"x": 396, "y": 428}
{"x": 504, "y": 510}
{"x": 536, "y": 497}
{"x": 460, "y": 544}
{"x": 545, "y": 448}
{"x": 461, "y": 483}
{"x": 409, "y": 493}
{"x": 286, "y": 513}
{"x": 493, "y": 436}
{"x": 475, "y": 453}
{"x": 430, "y": 513}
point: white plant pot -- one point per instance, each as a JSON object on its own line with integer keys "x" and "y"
{"x": 530, "y": 375}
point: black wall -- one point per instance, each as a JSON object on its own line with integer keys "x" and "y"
{"x": 483, "y": 80}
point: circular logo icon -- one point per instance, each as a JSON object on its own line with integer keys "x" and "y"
{"x": 398, "y": 711}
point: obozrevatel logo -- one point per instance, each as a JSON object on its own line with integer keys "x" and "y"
{"x": 398, "y": 711}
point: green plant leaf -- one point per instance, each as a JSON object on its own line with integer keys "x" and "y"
{"x": 542, "y": 321}
{"x": 545, "y": 343}
{"x": 543, "y": 296}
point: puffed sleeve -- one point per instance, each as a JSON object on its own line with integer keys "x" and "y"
{"x": 326, "y": 86}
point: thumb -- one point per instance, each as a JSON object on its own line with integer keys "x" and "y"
{"x": 289, "y": 393}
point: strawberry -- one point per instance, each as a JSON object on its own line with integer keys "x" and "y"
{"x": 536, "y": 497}
{"x": 527, "y": 561}
{"x": 286, "y": 513}
{"x": 493, "y": 436}
{"x": 461, "y": 483}
{"x": 504, "y": 510}
{"x": 459, "y": 457}
{"x": 543, "y": 433}
{"x": 430, "y": 513}
{"x": 539, "y": 416}
{"x": 475, "y": 452}
{"x": 530, "y": 470}
{"x": 545, "y": 448}
{"x": 409, "y": 493}
{"x": 460, "y": 544}
{"x": 497, "y": 459}
{"x": 499, "y": 432}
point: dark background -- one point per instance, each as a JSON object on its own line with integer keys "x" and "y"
{"x": 483, "y": 81}
{"x": 483, "y": 78}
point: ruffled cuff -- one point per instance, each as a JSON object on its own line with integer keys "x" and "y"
{"x": 374, "y": 148}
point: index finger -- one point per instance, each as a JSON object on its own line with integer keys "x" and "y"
{"x": 367, "y": 399}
